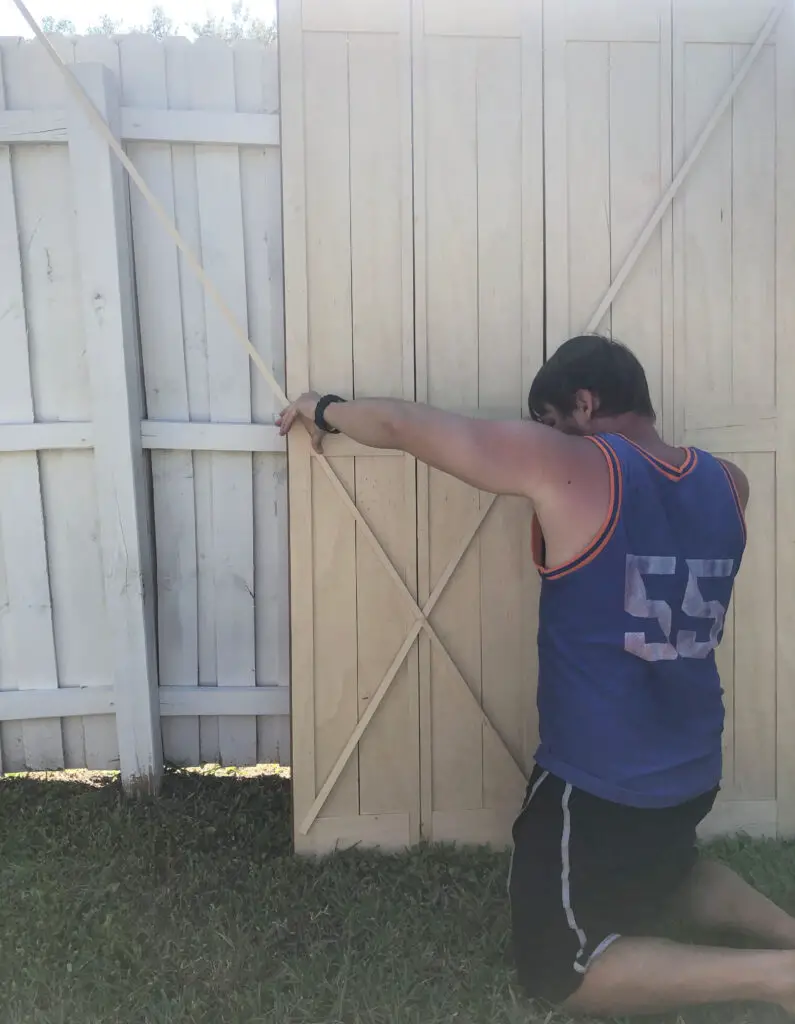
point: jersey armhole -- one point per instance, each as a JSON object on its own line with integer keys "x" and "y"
{"x": 606, "y": 531}
{"x": 736, "y": 496}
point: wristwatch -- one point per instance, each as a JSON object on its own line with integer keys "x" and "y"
{"x": 320, "y": 413}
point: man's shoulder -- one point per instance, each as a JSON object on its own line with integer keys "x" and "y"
{"x": 740, "y": 481}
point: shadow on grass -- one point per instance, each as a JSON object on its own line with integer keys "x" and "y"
{"x": 192, "y": 908}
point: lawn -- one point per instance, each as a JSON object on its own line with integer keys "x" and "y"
{"x": 193, "y": 909}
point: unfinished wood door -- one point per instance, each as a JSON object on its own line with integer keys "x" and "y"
{"x": 479, "y": 328}
{"x": 437, "y": 221}
{"x": 733, "y": 230}
{"x": 346, "y": 102}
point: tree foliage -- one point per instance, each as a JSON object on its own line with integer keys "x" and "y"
{"x": 240, "y": 24}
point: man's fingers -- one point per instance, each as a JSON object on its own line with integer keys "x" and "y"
{"x": 286, "y": 420}
{"x": 317, "y": 440}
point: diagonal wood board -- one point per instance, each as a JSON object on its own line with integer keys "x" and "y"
{"x": 421, "y": 615}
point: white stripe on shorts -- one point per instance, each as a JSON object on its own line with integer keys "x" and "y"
{"x": 524, "y": 807}
{"x": 565, "y": 858}
{"x": 565, "y": 873}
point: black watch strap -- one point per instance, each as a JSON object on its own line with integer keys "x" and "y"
{"x": 320, "y": 413}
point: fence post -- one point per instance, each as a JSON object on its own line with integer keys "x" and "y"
{"x": 106, "y": 283}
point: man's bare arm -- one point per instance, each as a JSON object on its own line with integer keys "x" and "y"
{"x": 516, "y": 457}
{"x": 740, "y": 482}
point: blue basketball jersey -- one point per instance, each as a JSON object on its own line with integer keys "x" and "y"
{"x": 629, "y": 697}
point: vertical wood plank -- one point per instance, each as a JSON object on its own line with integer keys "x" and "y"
{"x": 99, "y": 49}
{"x": 753, "y": 355}
{"x": 302, "y": 660}
{"x": 10, "y": 732}
{"x": 143, "y": 62}
{"x": 636, "y": 183}
{"x": 328, "y": 210}
{"x": 221, "y": 222}
{"x": 533, "y": 353}
{"x": 257, "y": 92}
{"x": 499, "y": 225}
{"x": 556, "y": 179}
{"x": 94, "y": 734}
{"x": 83, "y": 644}
{"x": 785, "y": 462}
{"x": 753, "y": 362}
{"x": 179, "y": 76}
{"x": 452, "y": 382}
{"x": 104, "y": 253}
{"x": 424, "y": 584}
{"x": 724, "y": 658}
{"x": 503, "y": 591}
{"x": 380, "y": 234}
{"x": 260, "y": 177}
{"x": 30, "y": 655}
{"x": 666, "y": 149}
{"x": 588, "y": 154}
{"x": 330, "y": 367}
{"x": 533, "y": 213}
{"x": 335, "y": 636}
{"x": 707, "y": 248}
{"x": 408, "y": 345}
{"x": 452, "y": 273}
{"x": 755, "y": 639}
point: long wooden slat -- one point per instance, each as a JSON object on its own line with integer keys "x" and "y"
{"x": 139, "y": 124}
{"x": 34, "y": 437}
{"x": 143, "y": 66}
{"x": 257, "y": 92}
{"x": 212, "y": 77}
{"x": 785, "y": 457}
{"x": 271, "y": 700}
{"x": 106, "y": 285}
{"x": 30, "y": 656}
{"x": 179, "y": 65}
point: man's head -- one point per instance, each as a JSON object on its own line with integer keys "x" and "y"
{"x": 589, "y": 381}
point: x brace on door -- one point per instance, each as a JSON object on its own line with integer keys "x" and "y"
{"x": 421, "y": 620}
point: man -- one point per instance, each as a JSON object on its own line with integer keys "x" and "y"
{"x": 638, "y": 545}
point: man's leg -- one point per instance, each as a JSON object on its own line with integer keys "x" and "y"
{"x": 636, "y": 976}
{"x": 715, "y": 898}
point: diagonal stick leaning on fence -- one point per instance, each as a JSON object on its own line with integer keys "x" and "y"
{"x": 421, "y": 616}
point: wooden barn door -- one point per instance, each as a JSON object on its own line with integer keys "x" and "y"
{"x": 346, "y": 128}
{"x": 438, "y": 222}
{"x": 734, "y": 339}
{"x": 479, "y": 330}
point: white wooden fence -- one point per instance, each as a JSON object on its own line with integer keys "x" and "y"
{"x": 143, "y": 529}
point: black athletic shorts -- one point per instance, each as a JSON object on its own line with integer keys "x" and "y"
{"x": 586, "y": 872}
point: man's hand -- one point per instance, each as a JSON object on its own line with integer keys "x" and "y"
{"x": 302, "y": 409}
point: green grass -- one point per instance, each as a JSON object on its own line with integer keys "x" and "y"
{"x": 193, "y": 909}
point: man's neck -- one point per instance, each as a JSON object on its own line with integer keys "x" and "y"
{"x": 639, "y": 429}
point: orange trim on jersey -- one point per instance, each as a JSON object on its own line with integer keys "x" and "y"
{"x": 736, "y": 496}
{"x": 606, "y": 531}
{"x": 666, "y": 468}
